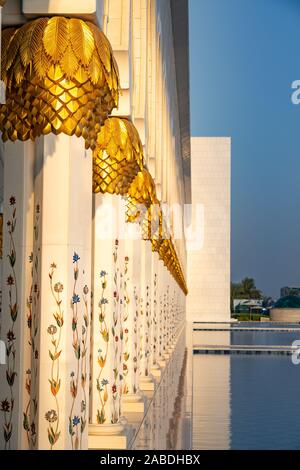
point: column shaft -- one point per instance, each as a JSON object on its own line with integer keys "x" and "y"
{"x": 17, "y": 247}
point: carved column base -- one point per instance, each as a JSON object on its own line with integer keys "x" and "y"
{"x": 156, "y": 371}
{"x": 107, "y": 436}
{"x": 133, "y": 403}
{"x": 147, "y": 383}
{"x": 162, "y": 363}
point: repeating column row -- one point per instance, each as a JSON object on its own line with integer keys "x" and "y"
{"x": 88, "y": 320}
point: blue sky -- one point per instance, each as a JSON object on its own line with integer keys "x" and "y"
{"x": 244, "y": 55}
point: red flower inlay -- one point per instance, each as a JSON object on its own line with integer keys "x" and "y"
{"x": 5, "y": 405}
{"x": 11, "y": 336}
{"x": 10, "y": 281}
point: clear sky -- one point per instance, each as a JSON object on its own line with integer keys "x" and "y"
{"x": 244, "y": 55}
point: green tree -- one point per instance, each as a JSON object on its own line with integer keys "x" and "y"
{"x": 249, "y": 289}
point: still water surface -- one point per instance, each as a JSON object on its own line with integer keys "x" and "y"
{"x": 247, "y": 402}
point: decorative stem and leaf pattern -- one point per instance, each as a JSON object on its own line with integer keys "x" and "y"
{"x": 172, "y": 317}
{"x": 155, "y": 318}
{"x": 33, "y": 322}
{"x": 116, "y": 391}
{"x": 160, "y": 335}
{"x": 167, "y": 315}
{"x": 7, "y": 404}
{"x": 78, "y": 377}
{"x": 55, "y": 332}
{"x": 102, "y": 382}
{"x": 164, "y": 339}
{"x": 147, "y": 331}
{"x": 74, "y": 420}
{"x": 126, "y": 353}
{"x": 135, "y": 339}
{"x": 141, "y": 330}
{"x": 84, "y": 364}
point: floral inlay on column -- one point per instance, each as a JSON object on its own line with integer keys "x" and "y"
{"x": 167, "y": 318}
{"x": 79, "y": 343}
{"x": 172, "y": 318}
{"x": 54, "y": 331}
{"x": 164, "y": 342}
{"x": 154, "y": 324}
{"x": 116, "y": 390}
{"x": 140, "y": 329}
{"x": 84, "y": 364}
{"x": 102, "y": 382}
{"x": 33, "y": 321}
{"x": 7, "y": 404}
{"x": 159, "y": 332}
{"x": 135, "y": 331}
{"x": 126, "y": 353}
{"x": 147, "y": 331}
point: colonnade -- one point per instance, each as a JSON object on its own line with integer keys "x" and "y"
{"x": 91, "y": 309}
{"x": 90, "y": 319}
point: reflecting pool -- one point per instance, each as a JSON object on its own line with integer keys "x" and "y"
{"x": 246, "y": 401}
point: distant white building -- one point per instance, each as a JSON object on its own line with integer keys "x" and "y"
{"x": 209, "y": 264}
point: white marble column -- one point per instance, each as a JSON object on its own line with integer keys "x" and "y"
{"x": 154, "y": 366}
{"x": 173, "y": 319}
{"x": 146, "y": 379}
{"x": 132, "y": 398}
{"x": 169, "y": 279}
{"x": 63, "y": 177}
{"x": 107, "y": 426}
{"x": 161, "y": 317}
{"x": 17, "y": 247}
{"x": 166, "y": 289}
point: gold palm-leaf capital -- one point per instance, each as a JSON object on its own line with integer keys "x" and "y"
{"x": 118, "y": 156}
{"x": 60, "y": 76}
{"x": 140, "y": 197}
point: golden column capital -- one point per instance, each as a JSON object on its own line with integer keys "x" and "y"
{"x": 60, "y": 76}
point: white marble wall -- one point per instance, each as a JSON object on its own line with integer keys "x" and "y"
{"x": 209, "y": 263}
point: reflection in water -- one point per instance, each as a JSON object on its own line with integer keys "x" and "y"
{"x": 166, "y": 425}
{"x": 211, "y": 402}
{"x": 175, "y": 428}
{"x": 245, "y": 401}
{"x": 211, "y": 393}
{"x": 264, "y": 337}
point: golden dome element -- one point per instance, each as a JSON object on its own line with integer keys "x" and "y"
{"x": 140, "y": 197}
{"x": 60, "y": 77}
{"x": 151, "y": 222}
{"x": 143, "y": 206}
{"x": 117, "y": 158}
{"x": 141, "y": 202}
{"x": 167, "y": 253}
